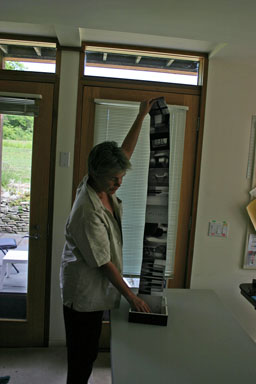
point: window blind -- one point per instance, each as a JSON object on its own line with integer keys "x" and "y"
{"x": 22, "y": 105}
{"x": 112, "y": 122}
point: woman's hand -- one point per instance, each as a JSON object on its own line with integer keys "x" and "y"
{"x": 110, "y": 270}
{"x": 145, "y": 107}
{"x": 138, "y": 304}
{"x": 131, "y": 138}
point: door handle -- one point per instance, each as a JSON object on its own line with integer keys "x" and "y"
{"x": 36, "y": 236}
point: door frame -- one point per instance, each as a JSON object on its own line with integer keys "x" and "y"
{"x": 34, "y": 331}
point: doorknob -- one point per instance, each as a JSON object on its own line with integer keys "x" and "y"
{"x": 34, "y": 237}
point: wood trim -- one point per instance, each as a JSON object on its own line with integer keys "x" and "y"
{"x": 145, "y": 49}
{"x": 6, "y": 74}
{"x": 36, "y": 217}
{"x": 141, "y": 85}
{"x": 187, "y": 183}
{"x": 1, "y": 60}
{"x": 201, "y": 72}
{"x": 58, "y": 63}
{"x": 81, "y": 64}
{"x": 50, "y": 211}
{"x": 30, "y": 60}
{"x": 197, "y": 178}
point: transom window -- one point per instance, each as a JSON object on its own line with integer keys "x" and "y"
{"x": 22, "y": 55}
{"x": 142, "y": 65}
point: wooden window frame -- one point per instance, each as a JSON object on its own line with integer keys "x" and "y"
{"x": 9, "y": 36}
{"x": 179, "y": 54}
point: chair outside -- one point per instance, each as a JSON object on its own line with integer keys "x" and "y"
{"x": 6, "y": 244}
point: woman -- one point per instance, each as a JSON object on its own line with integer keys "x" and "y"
{"x": 91, "y": 268}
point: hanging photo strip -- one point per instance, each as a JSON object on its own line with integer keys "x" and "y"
{"x": 152, "y": 277}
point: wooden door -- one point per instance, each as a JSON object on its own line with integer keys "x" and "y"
{"x": 33, "y": 329}
{"x": 84, "y": 143}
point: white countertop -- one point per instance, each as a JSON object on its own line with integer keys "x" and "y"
{"x": 202, "y": 344}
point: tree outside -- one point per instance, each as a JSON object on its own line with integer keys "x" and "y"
{"x": 14, "y": 66}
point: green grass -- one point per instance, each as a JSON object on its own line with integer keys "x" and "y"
{"x": 17, "y": 144}
{"x": 16, "y": 161}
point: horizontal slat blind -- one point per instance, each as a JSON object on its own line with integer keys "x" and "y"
{"x": 112, "y": 122}
{"x": 18, "y": 106}
{"x": 177, "y": 134}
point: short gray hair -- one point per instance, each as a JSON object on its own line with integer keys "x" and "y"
{"x": 107, "y": 159}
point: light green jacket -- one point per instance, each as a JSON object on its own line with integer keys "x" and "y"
{"x": 93, "y": 238}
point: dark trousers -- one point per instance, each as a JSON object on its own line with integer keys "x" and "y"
{"x": 82, "y": 337}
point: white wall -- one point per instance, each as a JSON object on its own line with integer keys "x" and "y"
{"x": 63, "y": 182}
{"x": 223, "y": 193}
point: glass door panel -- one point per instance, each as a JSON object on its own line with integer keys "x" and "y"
{"x": 27, "y": 153}
{"x": 184, "y": 203}
{"x": 17, "y": 140}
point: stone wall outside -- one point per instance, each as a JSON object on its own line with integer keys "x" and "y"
{"x": 14, "y": 215}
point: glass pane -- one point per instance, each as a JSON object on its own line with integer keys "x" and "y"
{"x": 136, "y": 66}
{"x": 16, "y": 156}
{"x": 30, "y": 66}
{"x": 113, "y": 120}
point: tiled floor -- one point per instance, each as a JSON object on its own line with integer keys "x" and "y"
{"x": 46, "y": 366}
{"x": 40, "y": 365}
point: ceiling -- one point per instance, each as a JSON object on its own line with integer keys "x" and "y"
{"x": 224, "y": 28}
